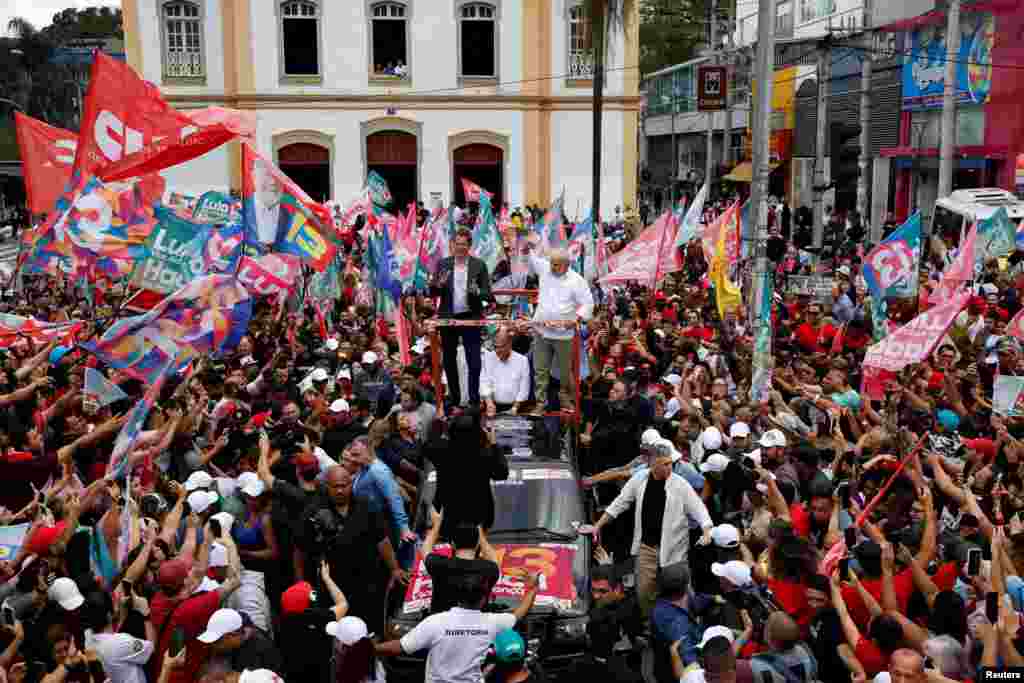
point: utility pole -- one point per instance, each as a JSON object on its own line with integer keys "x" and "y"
{"x": 863, "y": 207}
{"x": 762, "y": 360}
{"x": 675, "y": 149}
{"x": 597, "y": 32}
{"x": 824, "y": 76}
{"x": 713, "y": 43}
{"x": 947, "y": 136}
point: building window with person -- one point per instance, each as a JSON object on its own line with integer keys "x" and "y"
{"x": 389, "y": 40}
{"x": 300, "y": 39}
{"x": 183, "y": 49}
{"x": 478, "y": 40}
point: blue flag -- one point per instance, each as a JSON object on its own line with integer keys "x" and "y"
{"x": 102, "y": 389}
{"x": 890, "y": 269}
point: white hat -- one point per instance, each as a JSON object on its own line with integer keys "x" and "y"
{"x": 739, "y": 430}
{"x": 319, "y": 375}
{"x": 773, "y": 438}
{"x": 250, "y": 484}
{"x": 226, "y": 519}
{"x": 221, "y": 623}
{"x": 332, "y": 344}
{"x": 200, "y": 500}
{"x": 693, "y": 676}
{"x": 198, "y": 480}
{"x": 673, "y": 379}
{"x": 259, "y": 676}
{"x": 370, "y": 357}
{"x": 650, "y": 437}
{"x": 207, "y": 585}
{"x": 339, "y": 406}
{"x": 725, "y": 536}
{"x": 715, "y": 464}
{"x": 711, "y": 439}
{"x": 716, "y": 632}
{"x": 844, "y": 271}
{"x": 344, "y": 373}
{"x": 672, "y": 408}
{"x": 65, "y": 593}
{"x": 348, "y": 630}
{"x": 882, "y": 677}
{"x": 735, "y": 572}
{"x": 420, "y": 346}
{"x": 218, "y": 555}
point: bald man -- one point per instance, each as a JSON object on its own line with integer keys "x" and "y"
{"x": 906, "y": 666}
{"x": 505, "y": 380}
{"x": 356, "y": 542}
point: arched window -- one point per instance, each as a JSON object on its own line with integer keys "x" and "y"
{"x": 581, "y": 55}
{"x": 389, "y": 40}
{"x": 478, "y": 40}
{"x": 300, "y": 38}
{"x": 183, "y": 40}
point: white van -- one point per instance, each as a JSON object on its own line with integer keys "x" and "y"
{"x": 959, "y": 210}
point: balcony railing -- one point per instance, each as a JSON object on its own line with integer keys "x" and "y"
{"x": 581, "y": 64}
{"x": 184, "y": 65}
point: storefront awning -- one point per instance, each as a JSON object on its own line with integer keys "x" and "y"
{"x": 981, "y": 151}
{"x": 744, "y": 172}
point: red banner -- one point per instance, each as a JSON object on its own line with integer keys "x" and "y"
{"x": 913, "y": 342}
{"x": 47, "y": 154}
{"x": 128, "y": 129}
{"x": 552, "y": 560}
{"x": 652, "y": 252}
{"x": 269, "y": 275}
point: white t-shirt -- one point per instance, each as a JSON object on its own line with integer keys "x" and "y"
{"x": 458, "y": 641}
{"x": 123, "y": 656}
{"x": 460, "y": 295}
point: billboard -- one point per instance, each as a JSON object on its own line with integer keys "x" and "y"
{"x": 924, "y": 67}
{"x": 712, "y": 88}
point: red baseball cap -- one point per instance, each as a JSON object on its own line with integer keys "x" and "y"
{"x": 172, "y": 574}
{"x": 44, "y": 537}
{"x": 297, "y": 599}
{"x": 259, "y": 419}
{"x": 985, "y": 447}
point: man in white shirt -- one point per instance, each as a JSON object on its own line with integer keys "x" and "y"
{"x": 124, "y": 657}
{"x": 563, "y": 300}
{"x": 458, "y": 639}
{"x": 267, "y": 203}
{"x": 505, "y": 381}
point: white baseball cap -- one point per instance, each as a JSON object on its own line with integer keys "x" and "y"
{"x": 226, "y": 519}
{"x": 673, "y": 379}
{"x": 65, "y": 593}
{"x": 259, "y": 676}
{"x": 370, "y": 357}
{"x": 650, "y": 437}
{"x": 332, "y": 344}
{"x": 735, "y": 572}
{"x": 739, "y": 430}
{"x": 221, "y": 623}
{"x": 715, "y": 464}
{"x": 672, "y": 408}
{"x": 250, "y": 484}
{"x": 344, "y": 373}
{"x": 348, "y": 630}
{"x": 218, "y": 555}
{"x": 711, "y": 439}
{"x": 716, "y": 632}
{"x": 693, "y": 676}
{"x": 339, "y": 406}
{"x": 199, "y": 501}
{"x": 198, "y": 480}
{"x": 319, "y": 375}
{"x": 773, "y": 438}
{"x": 725, "y": 536}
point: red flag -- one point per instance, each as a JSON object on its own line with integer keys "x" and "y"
{"x": 402, "y": 325}
{"x": 130, "y": 130}
{"x": 641, "y": 257}
{"x": 47, "y": 154}
{"x": 472, "y": 191}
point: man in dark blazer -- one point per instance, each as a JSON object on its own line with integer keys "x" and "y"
{"x": 464, "y": 286}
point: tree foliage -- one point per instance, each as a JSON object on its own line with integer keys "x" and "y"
{"x": 672, "y": 31}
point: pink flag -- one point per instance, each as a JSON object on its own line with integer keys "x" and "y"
{"x": 640, "y": 259}
{"x": 472, "y": 191}
{"x": 1016, "y": 326}
{"x": 402, "y": 325}
{"x": 913, "y": 342}
{"x": 960, "y": 271}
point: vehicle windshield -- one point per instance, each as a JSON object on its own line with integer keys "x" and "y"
{"x": 534, "y": 514}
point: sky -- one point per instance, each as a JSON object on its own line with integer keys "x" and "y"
{"x": 40, "y": 12}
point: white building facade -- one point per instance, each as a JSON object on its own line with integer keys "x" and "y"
{"x": 425, "y": 92}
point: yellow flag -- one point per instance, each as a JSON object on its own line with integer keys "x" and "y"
{"x": 727, "y": 295}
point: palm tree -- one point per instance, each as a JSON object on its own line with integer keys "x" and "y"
{"x": 607, "y": 19}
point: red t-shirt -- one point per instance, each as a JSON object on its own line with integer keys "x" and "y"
{"x": 871, "y": 657}
{"x": 792, "y": 598}
{"x": 902, "y": 582}
{"x": 811, "y": 338}
{"x": 945, "y": 577}
{"x": 800, "y": 519}
{"x": 191, "y": 615}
